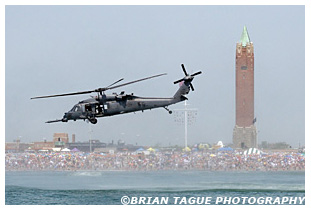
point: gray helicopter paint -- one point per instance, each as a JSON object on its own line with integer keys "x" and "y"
{"x": 108, "y": 105}
{"x": 127, "y": 104}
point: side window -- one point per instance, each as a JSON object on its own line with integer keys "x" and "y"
{"x": 243, "y": 67}
{"x": 88, "y": 108}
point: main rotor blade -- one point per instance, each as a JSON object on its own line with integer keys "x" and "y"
{"x": 113, "y": 87}
{"x": 116, "y": 82}
{"x": 99, "y": 89}
{"x": 66, "y": 94}
{"x": 199, "y": 72}
{"x": 183, "y": 68}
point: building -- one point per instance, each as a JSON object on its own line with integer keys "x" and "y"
{"x": 60, "y": 139}
{"x": 43, "y": 145}
{"x": 57, "y": 137}
{"x": 86, "y": 146}
{"x": 244, "y": 132}
{"x": 73, "y": 139}
{"x": 17, "y": 146}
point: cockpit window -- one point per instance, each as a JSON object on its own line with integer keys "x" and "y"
{"x": 75, "y": 108}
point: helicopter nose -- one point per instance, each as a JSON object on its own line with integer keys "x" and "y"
{"x": 66, "y": 116}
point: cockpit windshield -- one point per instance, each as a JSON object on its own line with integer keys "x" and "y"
{"x": 76, "y": 108}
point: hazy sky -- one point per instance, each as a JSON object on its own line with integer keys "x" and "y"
{"x": 60, "y": 49}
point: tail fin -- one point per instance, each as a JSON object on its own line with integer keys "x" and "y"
{"x": 183, "y": 90}
{"x": 184, "y": 84}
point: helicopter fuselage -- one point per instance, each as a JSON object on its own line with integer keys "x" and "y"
{"x": 93, "y": 108}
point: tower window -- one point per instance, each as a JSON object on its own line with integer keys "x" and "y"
{"x": 243, "y": 67}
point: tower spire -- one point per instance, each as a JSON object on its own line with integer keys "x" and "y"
{"x": 244, "y": 37}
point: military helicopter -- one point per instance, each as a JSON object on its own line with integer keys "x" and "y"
{"x": 104, "y": 105}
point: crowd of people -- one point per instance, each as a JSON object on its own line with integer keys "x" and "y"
{"x": 172, "y": 160}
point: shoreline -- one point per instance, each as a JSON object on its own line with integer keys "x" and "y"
{"x": 143, "y": 170}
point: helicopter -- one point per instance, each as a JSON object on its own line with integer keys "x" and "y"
{"x": 104, "y": 105}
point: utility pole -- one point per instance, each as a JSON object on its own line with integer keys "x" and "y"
{"x": 188, "y": 118}
{"x": 90, "y": 136}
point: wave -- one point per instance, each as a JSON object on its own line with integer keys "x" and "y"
{"x": 158, "y": 190}
{"x": 86, "y": 173}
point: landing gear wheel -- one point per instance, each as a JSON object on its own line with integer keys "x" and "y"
{"x": 169, "y": 111}
{"x": 93, "y": 121}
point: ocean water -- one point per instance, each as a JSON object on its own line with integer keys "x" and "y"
{"x": 108, "y": 187}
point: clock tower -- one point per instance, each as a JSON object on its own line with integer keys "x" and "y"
{"x": 244, "y": 132}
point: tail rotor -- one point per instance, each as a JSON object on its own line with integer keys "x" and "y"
{"x": 188, "y": 78}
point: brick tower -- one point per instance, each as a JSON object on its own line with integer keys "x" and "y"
{"x": 244, "y": 132}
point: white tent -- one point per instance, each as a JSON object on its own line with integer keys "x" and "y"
{"x": 220, "y": 144}
{"x": 252, "y": 151}
{"x": 65, "y": 150}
